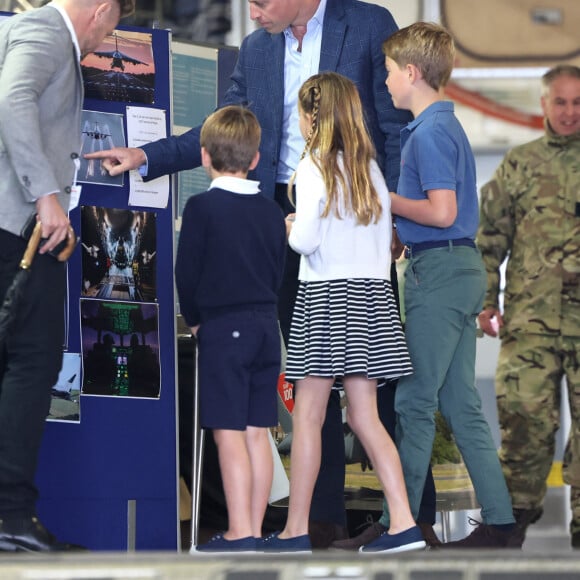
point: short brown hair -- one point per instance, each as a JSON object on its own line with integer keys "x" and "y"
{"x": 231, "y": 136}
{"x": 426, "y": 45}
{"x": 127, "y": 7}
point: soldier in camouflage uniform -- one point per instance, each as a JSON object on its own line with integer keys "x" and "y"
{"x": 530, "y": 212}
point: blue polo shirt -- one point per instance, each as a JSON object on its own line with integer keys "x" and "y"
{"x": 435, "y": 154}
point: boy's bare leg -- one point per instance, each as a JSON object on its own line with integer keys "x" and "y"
{"x": 236, "y": 471}
{"x": 262, "y": 467}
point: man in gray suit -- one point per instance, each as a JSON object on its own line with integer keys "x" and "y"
{"x": 299, "y": 38}
{"x": 41, "y": 96}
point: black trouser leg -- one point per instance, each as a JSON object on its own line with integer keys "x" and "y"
{"x": 30, "y": 361}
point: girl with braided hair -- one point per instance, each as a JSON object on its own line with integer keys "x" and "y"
{"x": 345, "y": 323}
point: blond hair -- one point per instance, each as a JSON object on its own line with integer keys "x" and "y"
{"x": 426, "y": 45}
{"x": 231, "y": 136}
{"x": 338, "y": 130}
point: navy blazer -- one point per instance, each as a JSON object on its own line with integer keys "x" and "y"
{"x": 352, "y": 37}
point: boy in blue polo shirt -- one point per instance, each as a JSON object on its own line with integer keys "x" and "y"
{"x": 436, "y": 209}
{"x": 228, "y": 272}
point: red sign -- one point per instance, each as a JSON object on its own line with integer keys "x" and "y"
{"x": 286, "y": 392}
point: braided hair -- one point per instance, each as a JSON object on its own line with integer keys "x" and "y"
{"x": 337, "y": 131}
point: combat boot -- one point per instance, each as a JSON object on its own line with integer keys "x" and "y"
{"x": 575, "y": 534}
{"x": 524, "y": 519}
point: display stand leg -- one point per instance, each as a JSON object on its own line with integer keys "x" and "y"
{"x": 198, "y": 440}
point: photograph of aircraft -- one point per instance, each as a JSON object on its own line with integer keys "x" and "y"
{"x": 121, "y": 69}
{"x": 65, "y": 401}
{"x": 97, "y": 139}
{"x": 100, "y": 131}
{"x": 117, "y": 57}
{"x": 120, "y": 349}
{"x": 119, "y": 254}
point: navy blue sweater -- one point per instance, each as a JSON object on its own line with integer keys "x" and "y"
{"x": 230, "y": 255}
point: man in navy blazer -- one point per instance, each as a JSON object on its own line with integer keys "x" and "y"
{"x": 352, "y": 34}
{"x": 347, "y": 37}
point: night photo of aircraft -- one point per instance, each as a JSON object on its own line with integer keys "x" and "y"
{"x": 120, "y": 349}
{"x": 119, "y": 254}
{"x": 117, "y": 57}
{"x": 121, "y": 69}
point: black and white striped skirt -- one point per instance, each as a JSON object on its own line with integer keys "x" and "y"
{"x": 344, "y": 327}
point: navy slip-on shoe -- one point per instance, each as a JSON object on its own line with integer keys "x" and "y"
{"x": 297, "y": 545}
{"x": 411, "y": 539}
{"x": 219, "y": 545}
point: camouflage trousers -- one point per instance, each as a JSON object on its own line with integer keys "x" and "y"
{"x": 528, "y": 387}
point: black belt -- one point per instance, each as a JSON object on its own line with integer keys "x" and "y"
{"x": 413, "y": 249}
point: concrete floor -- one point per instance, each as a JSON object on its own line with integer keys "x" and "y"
{"x": 546, "y": 555}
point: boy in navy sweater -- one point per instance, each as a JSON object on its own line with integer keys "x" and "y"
{"x": 229, "y": 266}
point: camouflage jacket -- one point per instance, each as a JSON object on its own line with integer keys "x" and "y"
{"x": 530, "y": 214}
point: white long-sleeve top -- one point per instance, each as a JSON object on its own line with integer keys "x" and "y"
{"x": 333, "y": 248}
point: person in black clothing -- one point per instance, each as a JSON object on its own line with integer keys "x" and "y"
{"x": 228, "y": 271}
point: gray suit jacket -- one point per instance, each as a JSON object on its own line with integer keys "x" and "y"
{"x": 352, "y": 37}
{"x": 41, "y": 95}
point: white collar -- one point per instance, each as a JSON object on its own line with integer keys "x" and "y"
{"x": 236, "y": 184}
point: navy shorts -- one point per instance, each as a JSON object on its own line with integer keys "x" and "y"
{"x": 239, "y": 365}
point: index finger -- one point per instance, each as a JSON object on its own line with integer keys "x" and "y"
{"x": 104, "y": 154}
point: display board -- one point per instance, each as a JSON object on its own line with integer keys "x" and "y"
{"x": 108, "y": 469}
{"x": 201, "y": 75}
